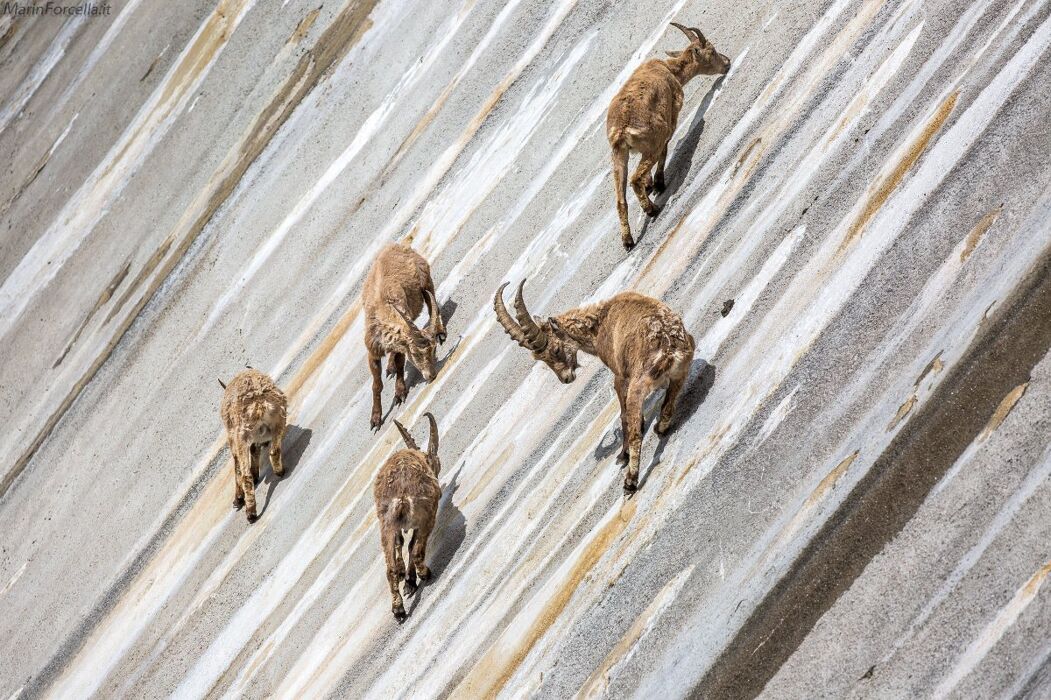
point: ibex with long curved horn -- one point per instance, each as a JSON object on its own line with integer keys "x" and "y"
{"x": 396, "y": 289}
{"x": 643, "y": 115}
{"x": 407, "y": 494}
{"x": 640, "y": 339}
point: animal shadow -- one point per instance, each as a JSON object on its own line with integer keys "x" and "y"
{"x": 296, "y": 441}
{"x": 681, "y": 159}
{"x": 698, "y": 385}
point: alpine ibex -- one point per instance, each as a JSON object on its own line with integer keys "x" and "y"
{"x": 396, "y": 288}
{"x": 643, "y": 115}
{"x": 642, "y": 341}
{"x": 407, "y": 493}
{"x": 254, "y": 412}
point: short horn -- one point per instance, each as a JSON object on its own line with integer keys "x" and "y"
{"x": 535, "y": 335}
{"x": 432, "y": 444}
{"x": 432, "y": 325}
{"x": 505, "y": 319}
{"x": 221, "y": 384}
{"x": 413, "y": 330}
{"x": 409, "y": 442}
{"x": 692, "y": 33}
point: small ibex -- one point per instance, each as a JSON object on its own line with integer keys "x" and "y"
{"x": 407, "y": 493}
{"x": 396, "y": 288}
{"x": 642, "y": 341}
{"x": 643, "y": 115}
{"x": 254, "y": 412}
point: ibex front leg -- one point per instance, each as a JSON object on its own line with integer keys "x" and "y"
{"x": 377, "y": 390}
{"x": 637, "y": 391}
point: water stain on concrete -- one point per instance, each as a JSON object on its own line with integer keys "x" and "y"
{"x": 878, "y": 195}
{"x": 979, "y": 231}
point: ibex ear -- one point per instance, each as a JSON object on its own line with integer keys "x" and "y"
{"x": 674, "y": 54}
{"x": 556, "y": 328}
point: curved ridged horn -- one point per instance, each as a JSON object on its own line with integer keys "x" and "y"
{"x": 409, "y": 442}
{"x": 535, "y": 335}
{"x": 432, "y": 325}
{"x": 413, "y": 330}
{"x": 432, "y": 445}
{"x": 692, "y": 33}
{"x": 505, "y": 319}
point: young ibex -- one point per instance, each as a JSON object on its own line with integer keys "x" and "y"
{"x": 642, "y": 341}
{"x": 407, "y": 493}
{"x": 396, "y": 288}
{"x": 254, "y": 412}
{"x": 643, "y": 115}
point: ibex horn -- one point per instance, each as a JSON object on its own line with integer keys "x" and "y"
{"x": 221, "y": 384}
{"x": 413, "y": 330}
{"x": 535, "y": 335}
{"x": 692, "y": 33}
{"x": 409, "y": 442}
{"x": 432, "y": 445}
{"x": 432, "y": 326}
{"x": 505, "y": 319}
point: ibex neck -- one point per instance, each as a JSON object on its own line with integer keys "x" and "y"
{"x": 583, "y": 325}
{"x": 679, "y": 67}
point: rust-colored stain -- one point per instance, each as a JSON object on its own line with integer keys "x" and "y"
{"x": 746, "y": 155}
{"x": 979, "y": 230}
{"x": 492, "y": 672}
{"x": 324, "y": 349}
{"x": 853, "y": 110}
{"x": 304, "y": 26}
{"x": 934, "y": 366}
{"x": 106, "y": 295}
{"x": 903, "y": 411}
{"x": 1000, "y": 414}
{"x": 334, "y": 43}
{"x": 488, "y": 474}
{"x": 830, "y": 480}
{"x": 1035, "y": 581}
{"x": 877, "y": 196}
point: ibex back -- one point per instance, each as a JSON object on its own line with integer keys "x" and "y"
{"x": 407, "y": 493}
{"x": 254, "y": 411}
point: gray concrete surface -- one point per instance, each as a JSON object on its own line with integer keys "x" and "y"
{"x": 854, "y": 501}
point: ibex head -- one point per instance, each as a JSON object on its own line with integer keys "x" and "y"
{"x": 421, "y": 343}
{"x": 545, "y": 339}
{"x": 432, "y": 444}
{"x": 700, "y": 57}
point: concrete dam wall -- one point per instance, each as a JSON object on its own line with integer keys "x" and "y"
{"x": 853, "y": 502}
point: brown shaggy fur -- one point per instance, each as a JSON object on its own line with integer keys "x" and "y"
{"x": 396, "y": 289}
{"x": 407, "y": 493}
{"x": 254, "y": 411}
{"x": 642, "y": 341}
{"x": 643, "y": 115}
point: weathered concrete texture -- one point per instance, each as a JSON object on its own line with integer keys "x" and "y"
{"x": 854, "y": 501}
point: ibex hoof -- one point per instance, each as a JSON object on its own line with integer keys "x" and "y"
{"x": 631, "y": 486}
{"x": 399, "y": 399}
{"x": 399, "y": 613}
{"x": 252, "y": 517}
{"x": 653, "y": 211}
{"x": 238, "y": 502}
{"x": 410, "y": 588}
{"x": 658, "y": 186}
{"x": 423, "y": 573}
{"x": 629, "y": 244}
{"x": 662, "y": 428}
{"x": 376, "y": 423}
{"x": 622, "y": 458}
{"x": 441, "y": 338}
